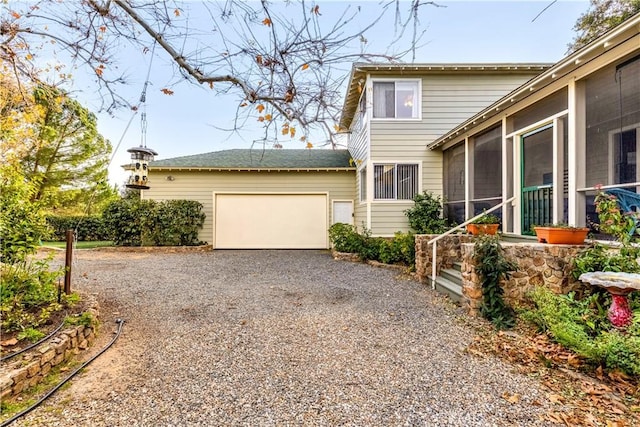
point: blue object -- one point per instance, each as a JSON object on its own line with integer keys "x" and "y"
{"x": 629, "y": 202}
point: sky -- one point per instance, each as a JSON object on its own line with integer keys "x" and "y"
{"x": 189, "y": 121}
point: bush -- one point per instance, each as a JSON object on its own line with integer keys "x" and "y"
{"x": 582, "y": 326}
{"x": 28, "y": 294}
{"x": 87, "y": 228}
{"x": 22, "y": 222}
{"x": 173, "y": 223}
{"x": 345, "y": 238}
{"x": 133, "y": 222}
{"x": 400, "y": 250}
{"x": 123, "y": 220}
{"x": 425, "y": 217}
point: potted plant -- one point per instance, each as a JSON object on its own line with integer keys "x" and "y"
{"x": 561, "y": 234}
{"x": 486, "y": 224}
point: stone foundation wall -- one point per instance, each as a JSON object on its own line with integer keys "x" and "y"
{"x": 448, "y": 251}
{"x": 538, "y": 265}
{"x": 29, "y": 369}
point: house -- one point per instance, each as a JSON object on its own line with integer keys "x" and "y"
{"x": 553, "y": 141}
{"x": 261, "y": 198}
{"x": 534, "y": 138}
{"x": 394, "y": 111}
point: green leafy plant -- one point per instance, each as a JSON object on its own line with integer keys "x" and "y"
{"x": 345, "y": 238}
{"x": 86, "y": 228}
{"x": 487, "y": 219}
{"x": 399, "y": 250}
{"x": 425, "y": 217}
{"x": 30, "y": 334}
{"x": 598, "y": 257}
{"x": 582, "y": 326}
{"x": 28, "y": 294}
{"x": 612, "y": 220}
{"x": 492, "y": 267}
{"x": 84, "y": 319}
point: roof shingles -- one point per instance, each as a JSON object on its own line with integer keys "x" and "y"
{"x": 260, "y": 159}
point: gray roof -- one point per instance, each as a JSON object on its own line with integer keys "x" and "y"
{"x": 260, "y": 159}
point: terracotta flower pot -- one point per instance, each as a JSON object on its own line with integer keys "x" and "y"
{"x": 479, "y": 229}
{"x": 561, "y": 235}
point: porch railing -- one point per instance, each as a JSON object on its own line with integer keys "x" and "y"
{"x": 452, "y": 230}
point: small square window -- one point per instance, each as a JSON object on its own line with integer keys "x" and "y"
{"x": 395, "y": 181}
{"x": 396, "y": 100}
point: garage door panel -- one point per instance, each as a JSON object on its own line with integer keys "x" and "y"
{"x": 271, "y": 221}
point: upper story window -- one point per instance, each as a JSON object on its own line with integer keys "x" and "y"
{"x": 395, "y": 181}
{"x": 396, "y": 99}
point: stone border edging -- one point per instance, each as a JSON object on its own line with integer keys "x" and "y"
{"x": 146, "y": 249}
{"x": 30, "y": 369}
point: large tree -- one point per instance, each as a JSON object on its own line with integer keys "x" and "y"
{"x": 285, "y": 61}
{"x": 602, "y": 16}
{"x": 67, "y": 158}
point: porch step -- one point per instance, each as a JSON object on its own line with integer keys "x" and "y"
{"x": 518, "y": 238}
{"x": 457, "y": 266}
{"x": 449, "y": 282}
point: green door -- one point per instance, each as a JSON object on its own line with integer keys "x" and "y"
{"x": 537, "y": 178}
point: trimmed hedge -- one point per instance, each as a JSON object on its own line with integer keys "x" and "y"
{"x": 87, "y": 228}
{"x": 135, "y": 222}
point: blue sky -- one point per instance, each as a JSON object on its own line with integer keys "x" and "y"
{"x": 464, "y": 31}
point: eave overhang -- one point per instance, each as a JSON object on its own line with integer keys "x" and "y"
{"x": 624, "y": 32}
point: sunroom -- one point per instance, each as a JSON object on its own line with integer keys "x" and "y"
{"x": 542, "y": 151}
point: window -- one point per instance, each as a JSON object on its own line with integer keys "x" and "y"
{"x": 398, "y": 100}
{"x": 395, "y": 181}
{"x": 363, "y": 185}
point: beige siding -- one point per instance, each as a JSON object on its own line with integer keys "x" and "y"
{"x": 389, "y": 217}
{"x": 200, "y": 186}
{"x": 358, "y": 147}
{"x": 359, "y": 208}
{"x": 447, "y": 100}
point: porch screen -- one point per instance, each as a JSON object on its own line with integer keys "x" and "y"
{"x": 487, "y": 170}
{"x": 612, "y": 128}
{"x": 454, "y": 172}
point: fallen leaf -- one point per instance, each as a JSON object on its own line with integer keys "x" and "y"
{"x": 9, "y": 343}
{"x": 511, "y": 398}
{"x": 556, "y": 398}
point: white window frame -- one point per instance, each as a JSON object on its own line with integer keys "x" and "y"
{"x": 417, "y": 106}
{"x": 395, "y": 180}
{"x": 612, "y": 140}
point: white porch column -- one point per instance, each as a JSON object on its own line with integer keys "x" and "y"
{"x": 507, "y": 179}
{"x": 576, "y": 148}
{"x": 468, "y": 173}
{"x": 558, "y": 170}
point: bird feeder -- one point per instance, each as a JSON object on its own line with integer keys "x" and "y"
{"x": 140, "y": 158}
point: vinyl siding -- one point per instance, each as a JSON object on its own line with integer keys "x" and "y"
{"x": 358, "y": 147}
{"x": 200, "y": 186}
{"x": 389, "y": 217}
{"x": 447, "y": 100}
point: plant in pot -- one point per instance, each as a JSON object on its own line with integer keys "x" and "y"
{"x": 561, "y": 234}
{"x": 486, "y": 224}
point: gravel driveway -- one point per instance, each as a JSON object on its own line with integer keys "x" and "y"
{"x": 279, "y": 338}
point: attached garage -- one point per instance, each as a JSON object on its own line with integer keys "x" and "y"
{"x": 271, "y": 221}
{"x": 261, "y": 199}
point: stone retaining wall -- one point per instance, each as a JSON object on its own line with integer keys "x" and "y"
{"x": 29, "y": 369}
{"x": 538, "y": 264}
{"x": 448, "y": 251}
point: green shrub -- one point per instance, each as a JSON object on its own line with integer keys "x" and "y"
{"x": 399, "y": 250}
{"x": 345, "y": 238}
{"x": 22, "y": 222}
{"x": 133, "y": 222}
{"x": 425, "y": 217}
{"x": 582, "y": 326}
{"x": 87, "y": 228}
{"x": 28, "y": 294}
{"x": 600, "y": 258}
{"x": 173, "y": 223}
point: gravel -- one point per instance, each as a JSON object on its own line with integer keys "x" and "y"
{"x": 279, "y": 338}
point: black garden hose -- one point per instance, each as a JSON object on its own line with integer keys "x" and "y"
{"x": 35, "y": 344}
{"x": 120, "y": 323}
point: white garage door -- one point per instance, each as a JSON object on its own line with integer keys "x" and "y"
{"x": 271, "y": 221}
